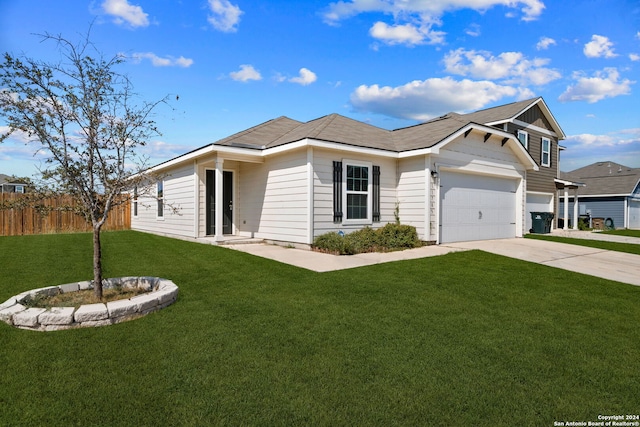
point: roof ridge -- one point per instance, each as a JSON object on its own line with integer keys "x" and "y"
{"x": 254, "y": 128}
{"x": 325, "y": 121}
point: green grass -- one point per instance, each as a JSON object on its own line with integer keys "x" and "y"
{"x": 624, "y": 232}
{"x": 468, "y": 338}
{"x": 630, "y": 248}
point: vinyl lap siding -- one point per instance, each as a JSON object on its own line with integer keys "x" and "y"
{"x": 412, "y": 193}
{"x": 323, "y": 190}
{"x": 273, "y": 198}
{"x": 179, "y": 206}
{"x": 600, "y": 208}
{"x": 543, "y": 179}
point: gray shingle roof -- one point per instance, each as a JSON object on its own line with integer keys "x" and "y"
{"x": 604, "y": 178}
{"x": 501, "y": 112}
{"x": 343, "y": 130}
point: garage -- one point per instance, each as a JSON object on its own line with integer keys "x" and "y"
{"x": 634, "y": 214}
{"x": 476, "y": 207}
{"x": 537, "y": 203}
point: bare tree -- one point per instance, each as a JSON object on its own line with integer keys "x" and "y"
{"x": 84, "y": 115}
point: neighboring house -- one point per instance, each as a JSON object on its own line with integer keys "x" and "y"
{"x": 611, "y": 191}
{"x": 457, "y": 177}
{"x": 9, "y": 184}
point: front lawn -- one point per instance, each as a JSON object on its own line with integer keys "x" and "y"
{"x": 630, "y": 248}
{"x": 624, "y": 232}
{"x": 464, "y": 339}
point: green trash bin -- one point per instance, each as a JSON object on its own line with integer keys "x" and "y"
{"x": 548, "y": 219}
{"x": 538, "y": 222}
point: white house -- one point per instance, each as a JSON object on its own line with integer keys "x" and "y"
{"x": 454, "y": 178}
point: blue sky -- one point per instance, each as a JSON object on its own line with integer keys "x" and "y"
{"x": 228, "y": 65}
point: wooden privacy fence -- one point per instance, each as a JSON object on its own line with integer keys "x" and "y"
{"x": 30, "y": 220}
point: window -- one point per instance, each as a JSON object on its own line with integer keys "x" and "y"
{"x": 546, "y": 152}
{"x": 160, "y": 198}
{"x": 523, "y": 137}
{"x": 135, "y": 201}
{"x": 20, "y": 189}
{"x": 359, "y": 191}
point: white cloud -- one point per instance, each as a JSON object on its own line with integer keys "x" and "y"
{"x": 473, "y": 30}
{"x": 407, "y": 34}
{"x": 513, "y": 67}
{"x": 126, "y": 13}
{"x": 599, "y": 47}
{"x": 603, "y": 84}
{"x": 544, "y": 43}
{"x": 414, "y": 19}
{"x": 246, "y": 73}
{"x": 305, "y": 78}
{"x": 634, "y": 57}
{"x": 225, "y": 16}
{"x": 621, "y": 146}
{"x": 426, "y": 9}
{"x": 163, "y": 62}
{"x": 424, "y": 99}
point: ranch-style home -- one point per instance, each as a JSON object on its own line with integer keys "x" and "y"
{"x": 457, "y": 177}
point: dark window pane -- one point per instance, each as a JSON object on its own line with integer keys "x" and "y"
{"x": 356, "y": 206}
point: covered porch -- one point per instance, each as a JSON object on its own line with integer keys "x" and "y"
{"x": 563, "y": 187}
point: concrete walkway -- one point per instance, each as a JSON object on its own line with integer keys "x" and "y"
{"x": 594, "y": 235}
{"x": 610, "y": 265}
{"x": 320, "y": 262}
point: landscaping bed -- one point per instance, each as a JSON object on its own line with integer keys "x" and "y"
{"x": 38, "y": 310}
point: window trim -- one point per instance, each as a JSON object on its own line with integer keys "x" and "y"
{"x": 548, "y": 152}
{"x": 526, "y": 138}
{"x": 160, "y": 199}
{"x": 135, "y": 201}
{"x": 369, "y": 193}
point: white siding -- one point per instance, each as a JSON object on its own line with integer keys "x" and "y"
{"x": 323, "y": 190}
{"x": 179, "y": 205}
{"x": 473, "y": 155}
{"x": 634, "y": 214}
{"x": 537, "y": 202}
{"x": 272, "y": 201}
{"x": 412, "y": 193}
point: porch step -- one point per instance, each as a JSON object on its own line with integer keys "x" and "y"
{"x": 240, "y": 241}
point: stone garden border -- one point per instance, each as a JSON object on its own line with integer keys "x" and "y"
{"x": 160, "y": 294}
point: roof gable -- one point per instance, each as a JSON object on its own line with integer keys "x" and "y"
{"x": 534, "y": 111}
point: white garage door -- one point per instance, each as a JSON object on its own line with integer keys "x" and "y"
{"x": 537, "y": 203}
{"x": 634, "y": 214}
{"x": 476, "y": 207}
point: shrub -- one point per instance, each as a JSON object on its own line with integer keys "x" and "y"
{"x": 388, "y": 238}
{"x": 332, "y": 242}
{"x": 398, "y": 236}
{"x": 363, "y": 240}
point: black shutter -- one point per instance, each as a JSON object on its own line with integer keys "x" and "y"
{"x": 376, "y": 194}
{"x": 337, "y": 192}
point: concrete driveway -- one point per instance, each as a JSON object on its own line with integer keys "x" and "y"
{"x": 618, "y": 266}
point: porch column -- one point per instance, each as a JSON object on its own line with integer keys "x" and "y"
{"x": 575, "y": 208}
{"x": 566, "y": 209}
{"x": 218, "y": 184}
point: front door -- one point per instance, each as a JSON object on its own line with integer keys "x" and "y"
{"x": 227, "y": 202}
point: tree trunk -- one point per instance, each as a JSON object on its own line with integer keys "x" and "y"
{"x": 97, "y": 263}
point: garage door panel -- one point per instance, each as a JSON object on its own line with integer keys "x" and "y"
{"x": 475, "y": 207}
